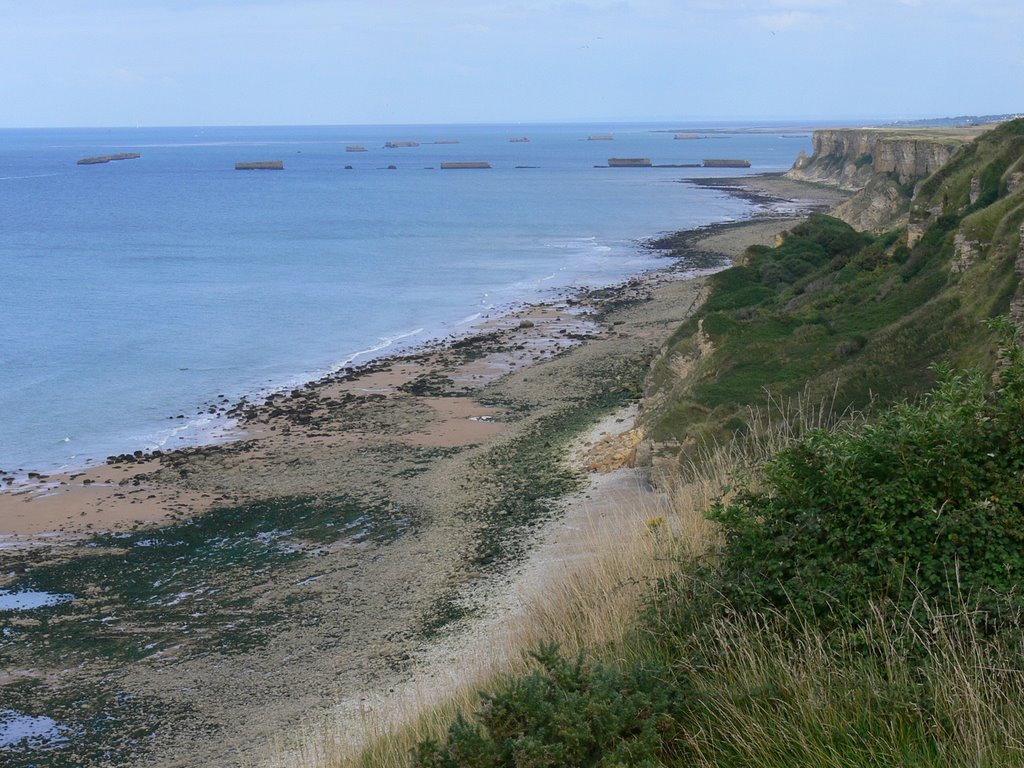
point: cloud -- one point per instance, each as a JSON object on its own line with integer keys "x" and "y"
{"x": 778, "y": 22}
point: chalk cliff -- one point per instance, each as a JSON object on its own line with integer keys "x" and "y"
{"x": 852, "y": 318}
{"x": 883, "y": 166}
{"x": 848, "y": 158}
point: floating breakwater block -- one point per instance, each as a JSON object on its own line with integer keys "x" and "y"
{"x": 261, "y": 165}
{"x": 100, "y": 159}
{"x": 726, "y": 163}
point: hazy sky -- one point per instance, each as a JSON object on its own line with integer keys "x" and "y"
{"x": 233, "y": 62}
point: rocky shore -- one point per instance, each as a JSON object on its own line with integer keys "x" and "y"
{"x": 219, "y": 595}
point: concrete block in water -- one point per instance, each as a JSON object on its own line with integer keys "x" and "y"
{"x": 261, "y": 165}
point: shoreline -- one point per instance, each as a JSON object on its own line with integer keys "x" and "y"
{"x": 425, "y": 450}
{"x": 220, "y": 413}
{"x": 100, "y": 493}
{"x": 46, "y": 508}
{"x": 219, "y": 428}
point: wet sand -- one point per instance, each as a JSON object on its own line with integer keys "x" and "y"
{"x": 438, "y": 441}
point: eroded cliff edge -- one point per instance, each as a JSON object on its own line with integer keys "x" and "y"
{"x": 850, "y": 319}
{"x": 882, "y": 166}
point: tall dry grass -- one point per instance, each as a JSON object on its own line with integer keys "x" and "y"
{"x": 585, "y": 597}
{"x": 897, "y": 692}
{"x": 584, "y": 593}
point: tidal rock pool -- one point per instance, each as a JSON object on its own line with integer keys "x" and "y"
{"x": 27, "y": 600}
{"x": 17, "y": 729}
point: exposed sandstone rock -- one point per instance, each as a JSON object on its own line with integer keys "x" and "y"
{"x": 1015, "y": 182}
{"x": 911, "y": 161}
{"x": 614, "y": 452}
{"x": 877, "y": 207}
{"x": 1017, "y": 305}
{"x": 848, "y": 158}
{"x": 918, "y": 220}
{"x": 882, "y": 165}
{"x": 965, "y": 253}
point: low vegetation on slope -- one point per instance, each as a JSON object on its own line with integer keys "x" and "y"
{"x": 859, "y": 319}
{"x": 861, "y": 608}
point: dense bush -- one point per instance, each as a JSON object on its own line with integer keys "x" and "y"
{"x": 773, "y": 651}
{"x": 567, "y": 713}
{"x": 809, "y": 246}
{"x": 926, "y": 505}
{"x": 991, "y": 184}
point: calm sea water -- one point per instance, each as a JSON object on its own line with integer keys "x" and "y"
{"x": 133, "y": 294}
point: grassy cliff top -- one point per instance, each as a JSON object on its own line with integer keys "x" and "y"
{"x": 954, "y": 135}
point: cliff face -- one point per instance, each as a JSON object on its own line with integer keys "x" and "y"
{"x": 1017, "y": 305}
{"x": 912, "y": 160}
{"x": 981, "y": 187}
{"x": 839, "y": 158}
{"x": 833, "y": 313}
{"x": 881, "y": 165}
{"x": 848, "y": 158}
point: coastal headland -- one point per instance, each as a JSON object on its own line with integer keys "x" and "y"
{"x": 217, "y": 596}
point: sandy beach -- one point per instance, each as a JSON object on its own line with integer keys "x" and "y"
{"x": 353, "y": 525}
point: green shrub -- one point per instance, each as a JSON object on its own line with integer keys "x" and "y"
{"x": 927, "y": 503}
{"x": 992, "y": 186}
{"x": 567, "y": 713}
{"x": 736, "y": 287}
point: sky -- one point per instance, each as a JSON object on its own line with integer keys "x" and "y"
{"x": 314, "y": 62}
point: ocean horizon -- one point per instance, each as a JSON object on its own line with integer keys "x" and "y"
{"x": 142, "y": 294}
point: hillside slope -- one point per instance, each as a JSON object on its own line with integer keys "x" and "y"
{"x": 855, "y": 318}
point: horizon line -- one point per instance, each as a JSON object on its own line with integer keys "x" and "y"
{"x": 688, "y": 122}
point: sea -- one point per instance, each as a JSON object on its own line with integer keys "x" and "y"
{"x": 137, "y": 294}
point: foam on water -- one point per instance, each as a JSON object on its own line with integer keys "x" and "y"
{"x": 386, "y": 342}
